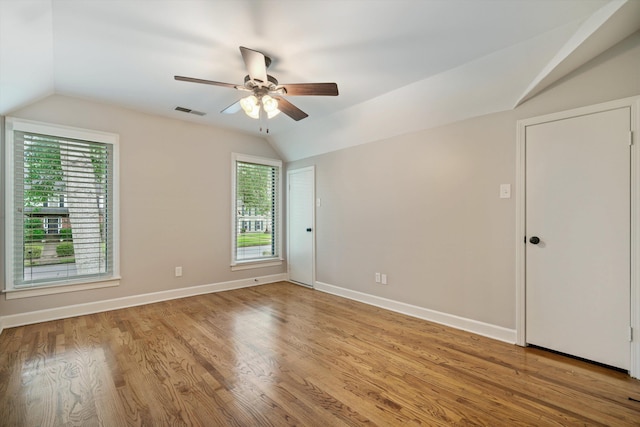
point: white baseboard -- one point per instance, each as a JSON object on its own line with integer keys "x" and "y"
{"x": 485, "y": 329}
{"x": 480, "y": 328}
{"x": 135, "y": 300}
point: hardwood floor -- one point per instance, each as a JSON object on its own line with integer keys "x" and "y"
{"x": 281, "y": 354}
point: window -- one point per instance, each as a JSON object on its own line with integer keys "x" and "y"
{"x": 256, "y": 200}
{"x": 52, "y": 225}
{"x": 61, "y": 201}
{"x": 55, "y": 202}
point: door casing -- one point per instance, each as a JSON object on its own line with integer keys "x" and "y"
{"x": 634, "y": 104}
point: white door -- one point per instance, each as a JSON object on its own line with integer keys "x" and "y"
{"x": 300, "y": 230}
{"x": 578, "y": 236}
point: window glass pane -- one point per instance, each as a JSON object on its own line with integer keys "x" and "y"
{"x": 256, "y": 211}
{"x": 63, "y": 194}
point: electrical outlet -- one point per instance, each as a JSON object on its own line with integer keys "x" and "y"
{"x": 178, "y": 271}
{"x": 384, "y": 279}
{"x": 377, "y": 277}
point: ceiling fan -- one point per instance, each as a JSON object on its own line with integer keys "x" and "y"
{"x": 266, "y": 95}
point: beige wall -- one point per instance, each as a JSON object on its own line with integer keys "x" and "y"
{"x": 174, "y": 200}
{"x": 424, "y": 207}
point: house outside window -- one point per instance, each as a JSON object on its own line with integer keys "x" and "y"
{"x": 256, "y": 216}
{"x": 61, "y": 209}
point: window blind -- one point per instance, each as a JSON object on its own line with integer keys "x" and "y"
{"x": 256, "y": 211}
{"x": 63, "y": 210}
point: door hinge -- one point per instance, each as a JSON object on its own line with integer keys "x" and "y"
{"x": 630, "y": 138}
{"x": 630, "y": 334}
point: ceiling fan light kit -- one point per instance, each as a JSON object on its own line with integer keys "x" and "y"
{"x": 252, "y": 106}
{"x": 267, "y": 97}
{"x": 270, "y": 105}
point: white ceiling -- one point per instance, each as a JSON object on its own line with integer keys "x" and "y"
{"x": 400, "y": 65}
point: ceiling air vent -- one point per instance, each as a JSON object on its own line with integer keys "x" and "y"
{"x": 190, "y": 111}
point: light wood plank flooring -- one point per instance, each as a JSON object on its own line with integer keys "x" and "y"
{"x": 280, "y": 355}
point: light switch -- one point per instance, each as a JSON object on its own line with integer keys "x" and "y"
{"x": 505, "y": 191}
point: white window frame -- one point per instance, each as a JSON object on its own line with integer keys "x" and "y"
{"x": 267, "y": 261}
{"x": 15, "y": 124}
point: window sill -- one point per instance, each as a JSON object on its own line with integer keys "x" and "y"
{"x": 36, "y": 291}
{"x": 248, "y": 265}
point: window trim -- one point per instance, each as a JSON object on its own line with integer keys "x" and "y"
{"x": 13, "y": 124}
{"x": 278, "y": 259}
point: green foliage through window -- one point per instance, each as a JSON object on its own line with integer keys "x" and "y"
{"x": 64, "y": 249}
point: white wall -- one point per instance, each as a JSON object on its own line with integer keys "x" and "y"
{"x": 174, "y": 201}
{"x": 424, "y": 208}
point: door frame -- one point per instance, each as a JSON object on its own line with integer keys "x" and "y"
{"x": 311, "y": 168}
{"x": 634, "y": 104}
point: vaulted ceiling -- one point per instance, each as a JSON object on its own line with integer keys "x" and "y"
{"x": 400, "y": 65}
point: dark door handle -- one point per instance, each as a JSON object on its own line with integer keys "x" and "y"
{"x": 309, "y": 230}
{"x": 534, "y": 240}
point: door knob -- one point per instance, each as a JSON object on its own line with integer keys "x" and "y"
{"x": 309, "y": 230}
{"x": 534, "y": 240}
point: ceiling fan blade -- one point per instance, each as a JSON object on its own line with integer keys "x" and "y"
{"x": 322, "y": 89}
{"x": 290, "y": 110}
{"x": 256, "y": 64}
{"x": 233, "y": 108}
{"x": 207, "y": 82}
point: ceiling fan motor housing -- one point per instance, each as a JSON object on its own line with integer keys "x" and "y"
{"x": 271, "y": 84}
